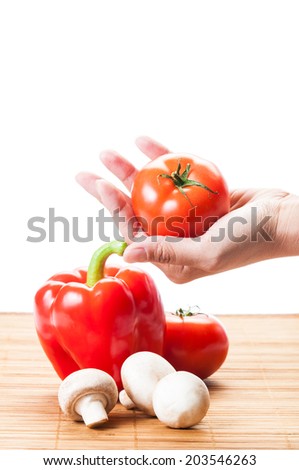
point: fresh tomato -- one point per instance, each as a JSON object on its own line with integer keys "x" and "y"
{"x": 179, "y": 195}
{"x": 195, "y": 342}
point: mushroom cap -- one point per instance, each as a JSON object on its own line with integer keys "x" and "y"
{"x": 181, "y": 400}
{"x": 86, "y": 382}
{"x": 140, "y": 373}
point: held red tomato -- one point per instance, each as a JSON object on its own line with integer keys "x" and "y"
{"x": 179, "y": 195}
{"x": 195, "y": 342}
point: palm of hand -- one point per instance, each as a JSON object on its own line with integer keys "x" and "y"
{"x": 226, "y": 245}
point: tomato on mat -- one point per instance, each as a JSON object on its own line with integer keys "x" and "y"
{"x": 195, "y": 342}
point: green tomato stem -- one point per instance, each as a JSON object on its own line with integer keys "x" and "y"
{"x": 189, "y": 312}
{"x": 181, "y": 180}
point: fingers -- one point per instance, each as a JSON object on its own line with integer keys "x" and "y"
{"x": 181, "y": 260}
{"x": 150, "y": 147}
{"x": 120, "y": 167}
{"x": 164, "y": 250}
{"x": 119, "y": 206}
{"x": 115, "y": 201}
{"x": 118, "y": 203}
{"x": 179, "y": 274}
{"x": 240, "y": 197}
{"x": 88, "y": 182}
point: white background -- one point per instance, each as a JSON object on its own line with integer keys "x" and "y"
{"x": 218, "y": 79}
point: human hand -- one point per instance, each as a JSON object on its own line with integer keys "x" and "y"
{"x": 258, "y": 226}
{"x": 115, "y": 200}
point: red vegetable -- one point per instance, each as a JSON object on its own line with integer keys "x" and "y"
{"x": 84, "y": 319}
{"x": 179, "y": 195}
{"x": 195, "y": 342}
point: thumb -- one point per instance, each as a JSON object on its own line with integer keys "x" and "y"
{"x": 164, "y": 250}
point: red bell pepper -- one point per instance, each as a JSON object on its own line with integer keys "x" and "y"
{"x": 85, "y": 318}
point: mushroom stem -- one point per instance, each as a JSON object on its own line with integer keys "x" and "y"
{"x": 126, "y": 401}
{"x": 92, "y": 409}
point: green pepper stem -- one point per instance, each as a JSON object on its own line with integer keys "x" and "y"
{"x": 96, "y": 266}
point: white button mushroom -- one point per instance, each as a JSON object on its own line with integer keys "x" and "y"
{"x": 181, "y": 400}
{"x": 140, "y": 373}
{"x": 88, "y": 395}
{"x": 126, "y": 401}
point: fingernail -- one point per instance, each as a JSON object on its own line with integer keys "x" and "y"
{"x": 135, "y": 254}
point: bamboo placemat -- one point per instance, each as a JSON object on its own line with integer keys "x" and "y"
{"x": 254, "y": 396}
